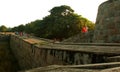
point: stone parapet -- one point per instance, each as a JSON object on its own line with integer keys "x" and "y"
{"x": 34, "y": 54}
{"x": 100, "y": 67}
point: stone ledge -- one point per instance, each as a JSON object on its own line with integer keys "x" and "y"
{"x": 116, "y": 69}
{"x": 57, "y": 68}
{"x": 102, "y": 67}
{"x": 108, "y": 50}
{"x": 91, "y": 44}
{"x": 97, "y": 48}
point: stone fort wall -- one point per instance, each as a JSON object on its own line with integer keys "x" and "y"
{"x": 7, "y": 60}
{"x": 31, "y": 55}
{"x": 107, "y": 28}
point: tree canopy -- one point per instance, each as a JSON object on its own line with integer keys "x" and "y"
{"x": 61, "y": 10}
{"x": 3, "y": 28}
{"x": 61, "y": 23}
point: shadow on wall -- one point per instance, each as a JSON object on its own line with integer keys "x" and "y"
{"x": 7, "y": 61}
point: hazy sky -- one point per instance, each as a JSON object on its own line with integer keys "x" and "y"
{"x": 16, "y": 12}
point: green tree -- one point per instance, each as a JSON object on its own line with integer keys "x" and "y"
{"x": 33, "y": 27}
{"x": 3, "y": 28}
{"x": 62, "y": 23}
{"x": 61, "y": 10}
{"x": 19, "y": 28}
{"x": 9, "y": 29}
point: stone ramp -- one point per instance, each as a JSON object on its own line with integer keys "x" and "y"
{"x": 101, "y": 67}
{"x": 57, "y": 68}
{"x": 80, "y": 38}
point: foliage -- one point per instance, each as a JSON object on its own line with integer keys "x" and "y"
{"x": 61, "y": 10}
{"x": 32, "y": 27}
{"x": 3, "y": 28}
{"x": 19, "y": 28}
{"x": 61, "y": 23}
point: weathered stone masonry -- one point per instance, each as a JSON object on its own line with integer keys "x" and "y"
{"x": 7, "y": 61}
{"x": 32, "y": 56}
{"x": 107, "y": 28}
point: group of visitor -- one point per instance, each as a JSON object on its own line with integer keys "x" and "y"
{"x": 22, "y": 34}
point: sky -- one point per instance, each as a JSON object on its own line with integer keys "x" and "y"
{"x": 16, "y": 12}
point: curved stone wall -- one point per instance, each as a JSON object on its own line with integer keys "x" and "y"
{"x": 107, "y": 29}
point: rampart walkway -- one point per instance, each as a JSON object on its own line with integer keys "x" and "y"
{"x": 32, "y": 53}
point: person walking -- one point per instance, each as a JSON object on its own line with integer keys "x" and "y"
{"x": 84, "y": 29}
